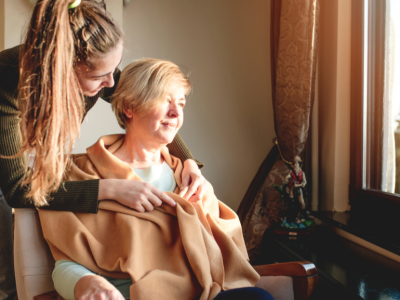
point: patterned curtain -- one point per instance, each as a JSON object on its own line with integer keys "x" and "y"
{"x": 294, "y": 29}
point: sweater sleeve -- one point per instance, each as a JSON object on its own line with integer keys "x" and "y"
{"x": 178, "y": 148}
{"x": 72, "y": 196}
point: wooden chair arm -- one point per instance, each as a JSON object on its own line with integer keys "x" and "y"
{"x": 304, "y": 274}
{"x": 48, "y": 296}
{"x": 296, "y": 268}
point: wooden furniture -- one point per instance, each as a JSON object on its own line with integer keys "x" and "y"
{"x": 304, "y": 274}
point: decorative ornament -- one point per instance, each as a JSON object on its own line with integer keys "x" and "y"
{"x": 296, "y": 219}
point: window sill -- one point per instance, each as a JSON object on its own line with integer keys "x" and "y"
{"x": 375, "y": 232}
{"x": 346, "y": 270}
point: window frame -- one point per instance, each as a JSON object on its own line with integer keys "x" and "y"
{"x": 365, "y": 202}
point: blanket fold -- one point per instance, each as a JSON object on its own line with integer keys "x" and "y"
{"x": 182, "y": 252}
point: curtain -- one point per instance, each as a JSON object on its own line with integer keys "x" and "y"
{"x": 294, "y": 29}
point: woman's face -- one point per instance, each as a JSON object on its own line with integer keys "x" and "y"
{"x": 100, "y": 74}
{"x": 160, "y": 125}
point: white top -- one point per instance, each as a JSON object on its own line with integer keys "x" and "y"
{"x": 159, "y": 176}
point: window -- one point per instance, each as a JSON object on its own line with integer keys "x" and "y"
{"x": 375, "y": 109}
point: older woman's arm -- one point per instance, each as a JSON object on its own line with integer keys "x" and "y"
{"x": 97, "y": 287}
{"x": 73, "y": 281}
{"x": 65, "y": 276}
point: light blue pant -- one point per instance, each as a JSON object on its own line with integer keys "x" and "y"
{"x": 7, "y": 278}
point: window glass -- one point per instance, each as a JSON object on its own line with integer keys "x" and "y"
{"x": 381, "y": 161}
{"x": 394, "y": 33}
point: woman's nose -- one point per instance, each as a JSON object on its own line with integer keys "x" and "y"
{"x": 175, "y": 110}
{"x": 109, "y": 80}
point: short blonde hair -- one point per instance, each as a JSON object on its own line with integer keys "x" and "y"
{"x": 142, "y": 84}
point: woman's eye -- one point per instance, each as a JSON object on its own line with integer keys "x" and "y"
{"x": 182, "y": 105}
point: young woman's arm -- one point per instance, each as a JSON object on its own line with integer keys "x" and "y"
{"x": 72, "y": 196}
{"x": 74, "y": 281}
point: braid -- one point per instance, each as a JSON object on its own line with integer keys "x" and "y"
{"x": 93, "y": 29}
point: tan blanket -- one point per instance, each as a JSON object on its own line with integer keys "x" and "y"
{"x": 170, "y": 253}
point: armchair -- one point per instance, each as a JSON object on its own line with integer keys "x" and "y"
{"x": 34, "y": 265}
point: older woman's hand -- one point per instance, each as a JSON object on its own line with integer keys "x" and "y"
{"x": 95, "y": 287}
{"x": 135, "y": 194}
{"x": 192, "y": 178}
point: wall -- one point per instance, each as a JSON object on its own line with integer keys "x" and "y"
{"x": 13, "y": 17}
{"x": 225, "y": 46}
{"x": 2, "y": 24}
{"x": 334, "y": 104}
{"x": 17, "y": 14}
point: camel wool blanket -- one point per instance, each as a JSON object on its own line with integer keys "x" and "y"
{"x": 183, "y": 252}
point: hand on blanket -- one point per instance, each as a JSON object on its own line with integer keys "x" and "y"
{"x": 192, "y": 178}
{"x": 134, "y": 194}
{"x": 93, "y": 287}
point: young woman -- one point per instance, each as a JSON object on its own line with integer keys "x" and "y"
{"x": 68, "y": 60}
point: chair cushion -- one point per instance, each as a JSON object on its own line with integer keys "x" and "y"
{"x": 280, "y": 287}
{"x": 33, "y": 261}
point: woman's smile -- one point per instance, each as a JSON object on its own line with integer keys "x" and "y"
{"x": 169, "y": 125}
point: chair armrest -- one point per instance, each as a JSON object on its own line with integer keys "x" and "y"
{"x": 296, "y": 268}
{"x": 304, "y": 273}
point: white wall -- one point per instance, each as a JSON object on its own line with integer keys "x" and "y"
{"x": 225, "y": 45}
{"x": 14, "y": 14}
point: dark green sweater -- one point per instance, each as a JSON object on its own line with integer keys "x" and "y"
{"x": 79, "y": 196}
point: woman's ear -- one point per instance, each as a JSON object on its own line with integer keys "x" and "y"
{"x": 128, "y": 112}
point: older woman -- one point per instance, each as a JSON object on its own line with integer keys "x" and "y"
{"x": 193, "y": 250}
